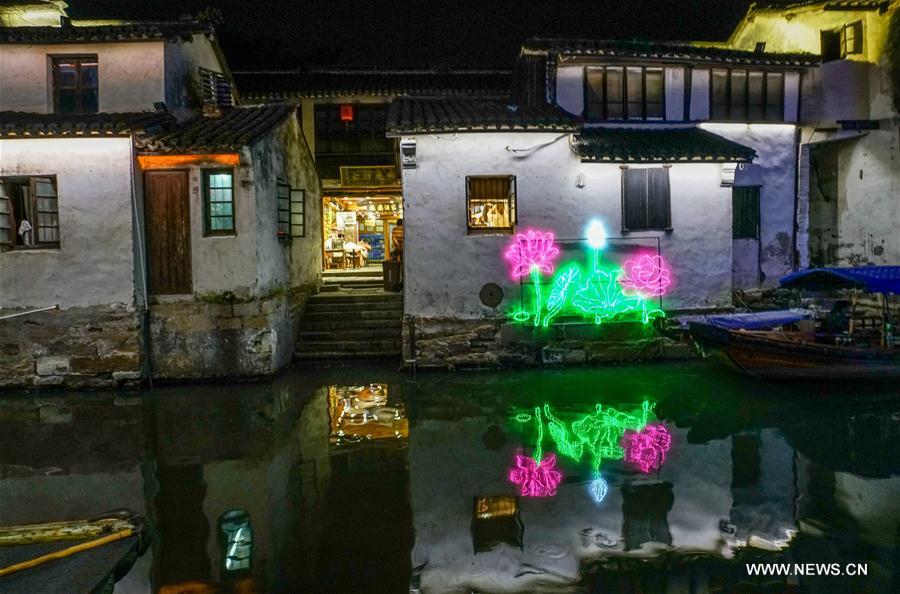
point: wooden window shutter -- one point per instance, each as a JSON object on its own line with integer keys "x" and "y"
{"x": 658, "y": 211}
{"x": 634, "y": 201}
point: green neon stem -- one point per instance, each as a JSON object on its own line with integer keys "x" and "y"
{"x": 536, "y": 281}
{"x": 539, "y": 448}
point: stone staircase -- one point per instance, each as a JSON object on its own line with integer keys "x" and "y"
{"x": 352, "y": 317}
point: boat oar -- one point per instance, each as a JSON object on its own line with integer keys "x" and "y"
{"x": 85, "y": 546}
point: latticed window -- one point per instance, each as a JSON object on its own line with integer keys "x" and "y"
{"x": 491, "y": 203}
{"x": 645, "y": 199}
{"x": 625, "y": 93}
{"x": 76, "y": 85}
{"x": 29, "y": 212}
{"x": 215, "y": 89}
{"x": 283, "y": 195}
{"x": 298, "y": 213}
{"x": 218, "y": 201}
{"x": 746, "y": 95}
{"x": 745, "y": 212}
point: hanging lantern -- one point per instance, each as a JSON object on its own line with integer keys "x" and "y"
{"x": 346, "y": 112}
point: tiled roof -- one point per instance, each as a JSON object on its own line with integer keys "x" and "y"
{"x": 424, "y": 116}
{"x": 658, "y": 145}
{"x": 654, "y": 50}
{"x": 17, "y": 124}
{"x": 267, "y": 85}
{"x": 135, "y": 31}
{"x": 235, "y": 128}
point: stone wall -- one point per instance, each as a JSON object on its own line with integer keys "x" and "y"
{"x": 457, "y": 343}
{"x": 196, "y": 339}
{"x": 80, "y": 347}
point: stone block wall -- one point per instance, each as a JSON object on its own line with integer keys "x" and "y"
{"x": 450, "y": 343}
{"x": 80, "y": 347}
{"x": 195, "y": 339}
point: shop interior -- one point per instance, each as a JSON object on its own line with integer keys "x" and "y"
{"x": 358, "y": 230}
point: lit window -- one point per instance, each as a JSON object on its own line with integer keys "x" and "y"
{"x": 75, "y": 85}
{"x": 645, "y": 199}
{"x": 746, "y": 96}
{"x": 745, "y": 212}
{"x": 851, "y": 39}
{"x": 491, "y": 203}
{"x": 218, "y": 201}
{"x": 29, "y": 212}
{"x": 283, "y": 194}
{"x": 236, "y": 535}
{"x": 625, "y": 93}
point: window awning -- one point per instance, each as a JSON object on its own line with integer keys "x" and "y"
{"x": 659, "y": 145}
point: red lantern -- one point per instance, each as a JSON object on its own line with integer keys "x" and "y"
{"x": 346, "y": 112}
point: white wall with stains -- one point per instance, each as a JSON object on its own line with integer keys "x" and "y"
{"x": 445, "y": 268}
{"x": 94, "y": 264}
{"x": 131, "y": 75}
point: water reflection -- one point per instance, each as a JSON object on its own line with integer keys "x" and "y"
{"x": 356, "y": 479}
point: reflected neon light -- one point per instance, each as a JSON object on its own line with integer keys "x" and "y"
{"x": 536, "y": 479}
{"x": 646, "y": 449}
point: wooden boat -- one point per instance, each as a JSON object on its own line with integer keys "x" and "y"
{"x": 75, "y": 556}
{"x": 785, "y": 354}
{"x": 777, "y": 346}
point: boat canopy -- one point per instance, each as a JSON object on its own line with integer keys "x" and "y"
{"x": 873, "y": 279}
{"x": 762, "y": 320}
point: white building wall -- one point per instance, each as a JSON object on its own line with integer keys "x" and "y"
{"x": 94, "y": 264}
{"x": 774, "y": 171}
{"x": 445, "y": 268}
{"x": 131, "y": 75}
{"x": 674, "y": 86}
{"x": 699, "y": 95}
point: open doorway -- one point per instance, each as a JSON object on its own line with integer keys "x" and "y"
{"x": 360, "y": 231}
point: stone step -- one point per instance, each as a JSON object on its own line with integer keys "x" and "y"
{"x": 324, "y": 306}
{"x": 373, "y": 272}
{"x": 345, "y": 298}
{"x": 335, "y": 323}
{"x": 327, "y": 355}
{"x": 378, "y": 314}
{"x": 348, "y": 346}
{"x": 354, "y": 282}
{"x": 350, "y": 333}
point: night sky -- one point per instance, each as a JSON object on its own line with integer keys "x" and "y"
{"x": 411, "y": 33}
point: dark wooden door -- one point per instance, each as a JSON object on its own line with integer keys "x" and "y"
{"x": 168, "y": 232}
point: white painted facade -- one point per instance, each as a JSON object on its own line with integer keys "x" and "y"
{"x": 849, "y": 186}
{"x": 94, "y": 264}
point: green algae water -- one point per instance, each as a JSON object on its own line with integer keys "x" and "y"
{"x": 655, "y": 478}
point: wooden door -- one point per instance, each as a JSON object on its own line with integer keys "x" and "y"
{"x": 168, "y": 232}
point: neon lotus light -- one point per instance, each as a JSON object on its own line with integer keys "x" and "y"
{"x": 536, "y": 478}
{"x": 532, "y": 253}
{"x": 598, "y": 488}
{"x": 647, "y": 276}
{"x": 647, "y": 448}
{"x": 598, "y": 434}
{"x": 601, "y": 292}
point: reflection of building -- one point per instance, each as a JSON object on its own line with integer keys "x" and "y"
{"x": 687, "y": 507}
{"x": 344, "y": 112}
{"x": 365, "y": 413}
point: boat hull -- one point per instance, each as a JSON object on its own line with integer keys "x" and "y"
{"x": 765, "y": 354}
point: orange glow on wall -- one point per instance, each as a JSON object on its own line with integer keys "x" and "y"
{"x": 167, "y": 161}
{"x": 346, "y": 112}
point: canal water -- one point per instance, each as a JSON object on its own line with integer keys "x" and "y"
{"x": 658, "y": 478}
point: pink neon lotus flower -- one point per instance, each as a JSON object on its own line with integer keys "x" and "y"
{"x": 647, "y": 275}
{"x": 530, "y": 250}
{"x": 647, "y": 448}
{"x": 536, "y": 479}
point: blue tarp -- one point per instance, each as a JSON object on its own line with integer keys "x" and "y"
{"x": 874, "y": 279}
{"x": 763, "y": 320}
